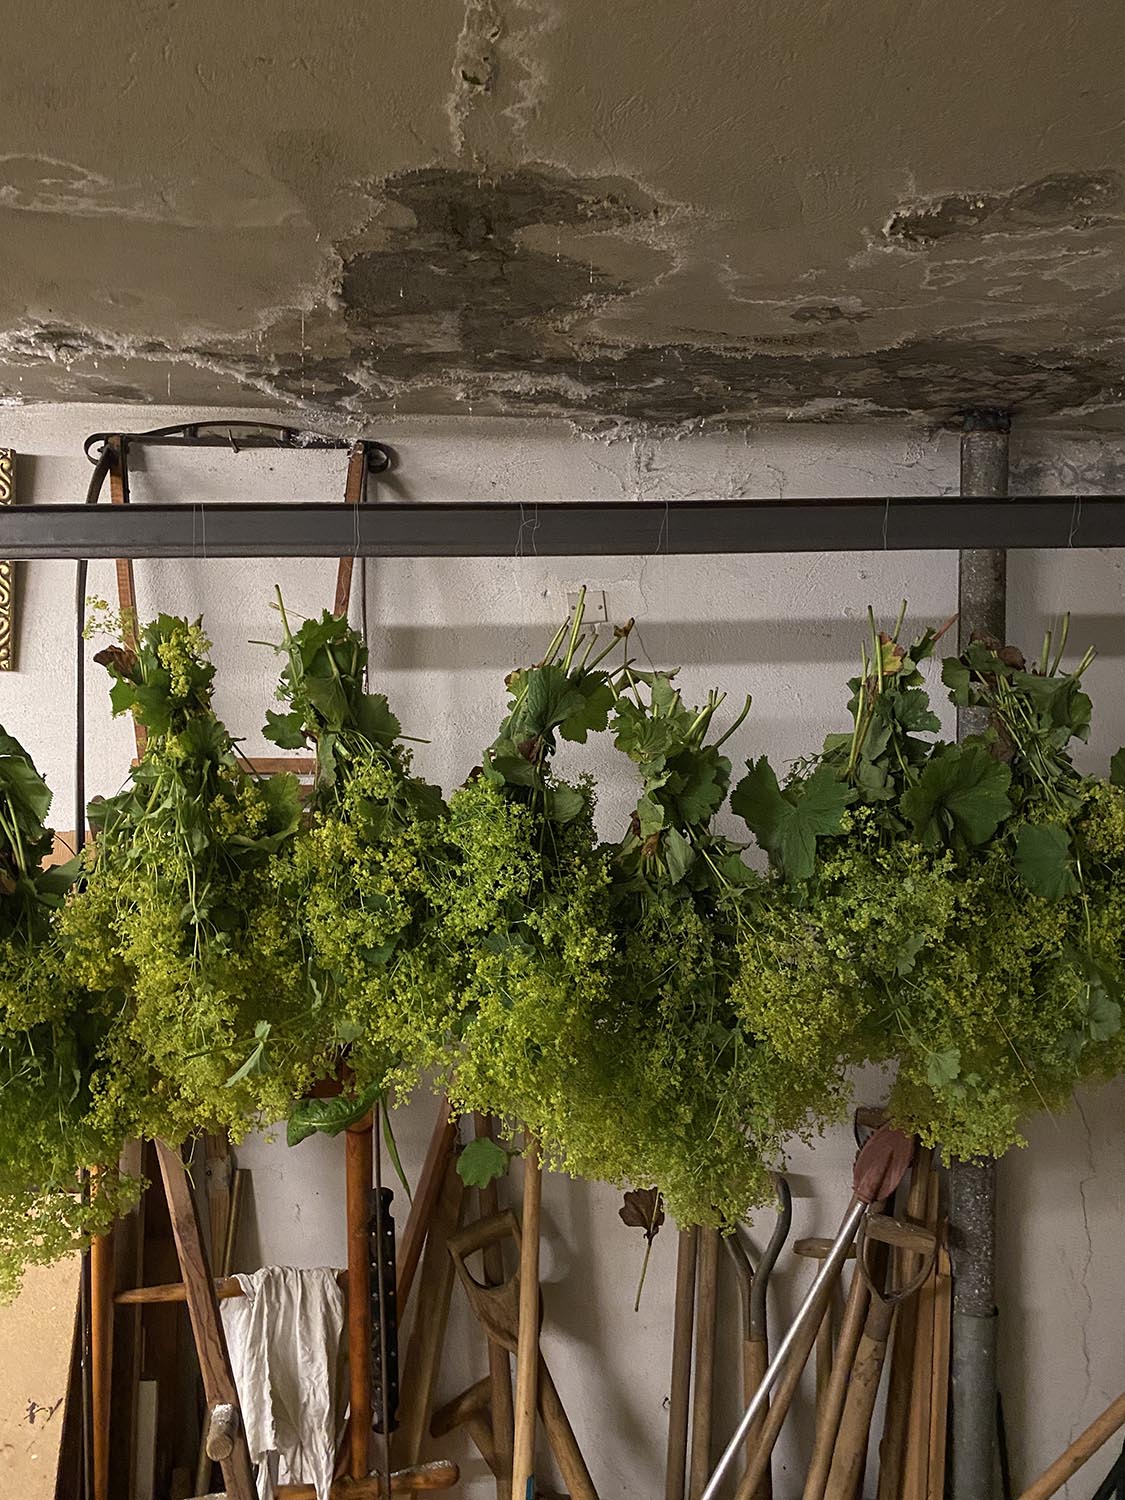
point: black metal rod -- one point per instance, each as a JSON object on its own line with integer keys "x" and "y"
{"x": 558, "y": 529}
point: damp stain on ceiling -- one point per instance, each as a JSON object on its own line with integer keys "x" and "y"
{"x": 656, "y": 214}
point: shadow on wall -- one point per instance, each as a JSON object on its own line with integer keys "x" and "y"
{"x": 400, "y": 648}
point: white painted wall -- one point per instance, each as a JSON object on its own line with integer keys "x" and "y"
{"x": 443, "y": 635}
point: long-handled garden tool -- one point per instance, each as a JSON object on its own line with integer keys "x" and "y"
{"x": 753, "y": 1284}
{"x": 679, "y": 1399}
{"x": 879, "y": 1168}
{"x": 846, "y": 1473}
{"x": 702, "y": 1400}
{"x": 497, "y": 1309}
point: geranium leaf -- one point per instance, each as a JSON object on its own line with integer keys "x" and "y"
{"x": 284, "y": 730}
{"x": 787, "y": 824}
{"x": 593, "y": 712}
{"x": 678, "y": 854}
{"x": 943, "y": 1068}
{"x": 564, "y": 803}
{"x": 481, "y": 1162}
{"x": 1043, "y": 858}
{"x": 642, "y": 1208}
{"x": 961, "y": 796}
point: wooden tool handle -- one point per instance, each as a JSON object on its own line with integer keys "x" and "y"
{"x": 359, "y": 1173}
{"x": 527, "y": 1355}
{"x": 829, "y": 1414}
{"x": 426, "y": 1195}
{"x": 1084, "y": 1447}
{"x": 783, "y": 1396}
{"x": 482, "y": 1234}
{"x": 855, "y": 1425}
{"x": 560, "y": 1435}
{"x": 221, "y": 1433}
{"x": 683, "y": 1320}
{"x": 470, "y": 1403}
{"x": 755, "y": 1363}
{"x": 419, "y": 1480}
{"x": 501, "y": 1424}
{"x": 706, "y": 1309}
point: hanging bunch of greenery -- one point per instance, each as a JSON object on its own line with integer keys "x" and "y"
{"x": 954, "y": 908}
{"x": 48, "y": 1038}
{"x": 524, "y": 907}
{"x": 183, "y": 919}
{"x": 360, "y": 877}
{"x": 666, "y": 1095}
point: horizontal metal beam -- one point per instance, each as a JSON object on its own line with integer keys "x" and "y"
{"x": 559, "y": 529}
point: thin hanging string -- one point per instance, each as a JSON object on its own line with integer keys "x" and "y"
{"x": 381, "y": 1283}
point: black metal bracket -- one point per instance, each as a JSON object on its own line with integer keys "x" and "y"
{"x": 237, "y": 435}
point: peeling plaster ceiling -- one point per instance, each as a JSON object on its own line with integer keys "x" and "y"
{"x": 654, "y": 212}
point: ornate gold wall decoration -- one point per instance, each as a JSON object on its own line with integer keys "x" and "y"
{"x": 7, "y": 571}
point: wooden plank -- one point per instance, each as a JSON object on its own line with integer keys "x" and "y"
{"x": 703, "y": 1383}
{"x": 527, "y": 1349}
{"x": 123, "y": 568}
{"x": 917, "y": 1467}
{"x": 210, "y": 1341}
{"x": 101, "y": 1354}
{"x": 355, "y": 489}
{"x": 125, "y": 1381}
{"x": 426, "y": 1195}
{"x": 893, "y": 1447}
{"x": 939, "y": 1396}
{"x": 440, "y": 1475}
{"x": 499, "y": 1361}
{"x": 427, "y": 1337}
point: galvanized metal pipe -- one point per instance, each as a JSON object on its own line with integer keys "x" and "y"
{"x": 982, "y": 610}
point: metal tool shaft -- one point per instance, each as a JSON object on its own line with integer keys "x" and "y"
{"x": 820, "y": 1287}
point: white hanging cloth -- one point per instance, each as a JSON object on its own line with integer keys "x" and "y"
{"x": 285, "y": 1338}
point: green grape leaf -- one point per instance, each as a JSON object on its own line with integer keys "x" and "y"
{"x": 943, "y": 1068}
{"x": 544, "y": 698}
{"x": 960, "y": 797}
{"x": 1117, "y": 768}
{"x": 328, "y": 1116}
{"x": 593, "y": 713}
{"x": 506, "y": 760}
{"x": 786, "y": 824}
{"x": 1043, "y": 858}
{"x": 481, "y": 1162}
{"x": 284, "y": 730}
{"x": 643, "y": 739}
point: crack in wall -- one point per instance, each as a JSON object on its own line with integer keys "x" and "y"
{"x": 1083, "y": 1280}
